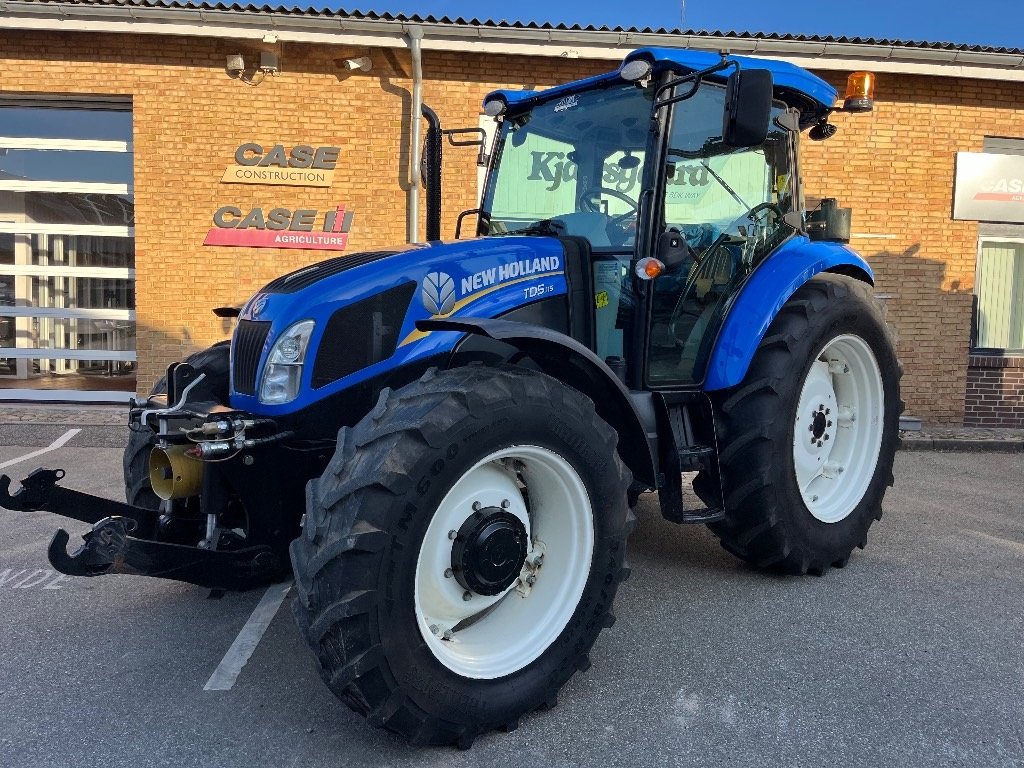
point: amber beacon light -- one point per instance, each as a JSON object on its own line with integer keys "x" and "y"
{"x": 860, "y": 92}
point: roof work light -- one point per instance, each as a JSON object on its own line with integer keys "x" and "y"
{"x": 860, "y": 92}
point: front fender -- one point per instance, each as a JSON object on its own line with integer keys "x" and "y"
{"x": 770, "y": 286}
{"x": 565, "y": 359}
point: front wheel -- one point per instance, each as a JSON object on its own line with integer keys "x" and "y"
{"x": 461, "y": 552}
{"x": 807, "y": 441}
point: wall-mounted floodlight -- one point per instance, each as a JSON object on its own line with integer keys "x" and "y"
{"x": 269, "y": 63}
{"x": 362, "y": 63}
{"x": 235, "y": 64}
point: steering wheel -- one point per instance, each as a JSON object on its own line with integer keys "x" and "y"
{"x": 756, "y": 238}
{"x": 587, "y": 200}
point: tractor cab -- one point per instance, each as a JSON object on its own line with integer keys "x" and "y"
{"x": 680, "y": 171}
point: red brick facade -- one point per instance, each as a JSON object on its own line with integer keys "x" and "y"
{"x": 995, "y": 392}
{"x": 893, "y": 167}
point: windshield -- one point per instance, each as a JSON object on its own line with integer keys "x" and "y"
{"x": 572, "y": 166}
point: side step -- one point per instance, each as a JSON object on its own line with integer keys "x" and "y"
{"x": 694, "y": 516}
{"x": 682, "y": 453}
{"x": 694, "y": 458}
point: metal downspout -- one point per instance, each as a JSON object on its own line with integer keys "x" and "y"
{"x": 413, "y": 194}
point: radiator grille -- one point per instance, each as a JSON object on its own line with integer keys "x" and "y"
{"x": 301, "y": 278}
{"x": 361, "y": 334}
{"x": 246, "y": 350}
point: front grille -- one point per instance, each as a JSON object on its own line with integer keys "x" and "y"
{"x": 301, "y": 278}
{"x": 246, "y": 350}
{"x": 361, "y": 334}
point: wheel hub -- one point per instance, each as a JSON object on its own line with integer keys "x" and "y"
{"x": 819, "y": 427}
{"x": 489, "y": 551}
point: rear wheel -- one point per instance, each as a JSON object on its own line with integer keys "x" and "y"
{"x": 461, "y": 552}
{"x": 807, "y": 441}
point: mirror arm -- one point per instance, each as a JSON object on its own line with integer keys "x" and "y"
{"x": 695, "y": 77}
{"x": 480, "y": 141}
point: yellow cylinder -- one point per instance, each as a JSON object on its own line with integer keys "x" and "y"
{"x": 174, "y": 475}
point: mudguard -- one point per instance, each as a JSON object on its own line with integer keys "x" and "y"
{"x": 769, "y": 287}
{"x": 569, "y": 361}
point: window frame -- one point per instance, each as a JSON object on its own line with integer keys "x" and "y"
{"x": 984, "y": 239}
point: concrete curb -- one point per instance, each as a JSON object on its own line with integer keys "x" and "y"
{"x": 955, "y": 445}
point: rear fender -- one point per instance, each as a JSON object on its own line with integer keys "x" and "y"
{"x": 565, "y": 359}
{"x": 769, "y": 287}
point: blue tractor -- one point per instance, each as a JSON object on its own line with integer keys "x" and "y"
{"x": 443, "y": 442}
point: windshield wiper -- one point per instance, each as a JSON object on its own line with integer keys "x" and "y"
{"x": 725, "y": 186}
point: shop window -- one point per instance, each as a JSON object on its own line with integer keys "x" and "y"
{"x": 67, "y": 250}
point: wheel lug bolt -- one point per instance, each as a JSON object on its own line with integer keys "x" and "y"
{"x": 826, "y": 435}
{"x": 447, "y": 635}
{"x": 476, "y": 506}
{"x": 452, "y": 535}
{"x": 827, "y": 412}
{"x": 467, "y": 595}
{"x": 819, "y": 443}
{"x": 814, "y": 498}
{"x": 505, "y": 503}
{"x": 830, "y": 423}
{"x": 448, "y": 573}
{"x": 810, "y": 427}
{"x": 435, "y": 629}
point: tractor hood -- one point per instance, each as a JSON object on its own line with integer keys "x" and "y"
{"x": 364, "y": 308}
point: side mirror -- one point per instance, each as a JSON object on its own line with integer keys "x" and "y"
{"x": 672, "y": 248}
{"x": 748, "y": 108}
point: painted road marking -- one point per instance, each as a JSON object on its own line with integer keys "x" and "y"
{"x": 60, "y": 442}
{"x": 238, "y": 654}
{"x": 17, "y": 579}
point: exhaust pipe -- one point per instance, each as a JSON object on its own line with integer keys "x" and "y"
{"x": 432, "y": 173}
{"x": 173, "y": 474}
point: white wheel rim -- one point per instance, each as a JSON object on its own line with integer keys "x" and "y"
{"x": 838, "y": 431}
{"x": 525, "y": 619}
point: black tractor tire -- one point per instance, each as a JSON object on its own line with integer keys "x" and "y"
{"x": 366, "y": 517}
{"x": 212, "y": 361}
{"x": 767, "y": 522}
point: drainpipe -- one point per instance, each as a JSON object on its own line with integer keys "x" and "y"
{"x": 413, "y": 195}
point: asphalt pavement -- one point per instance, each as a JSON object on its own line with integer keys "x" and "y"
{"x": 913, "y": 655}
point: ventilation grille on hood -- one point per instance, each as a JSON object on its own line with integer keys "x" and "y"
{"x": 302, "y": 278}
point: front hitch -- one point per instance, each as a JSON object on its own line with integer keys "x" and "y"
{"x": 124, "y": 540}
{"x": 34, "y": 490}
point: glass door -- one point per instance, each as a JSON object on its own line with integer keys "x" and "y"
{"x": 67, "y": 251}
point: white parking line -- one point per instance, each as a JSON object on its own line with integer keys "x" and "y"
{"x": 60, "y": 442}
{"x": 238, "y": 654}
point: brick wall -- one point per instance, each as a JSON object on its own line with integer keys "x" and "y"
{"x": 995, "y": 392}
{"x": 894, "y": 167}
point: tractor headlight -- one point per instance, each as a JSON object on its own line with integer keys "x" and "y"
{"x": 282, "y": 375}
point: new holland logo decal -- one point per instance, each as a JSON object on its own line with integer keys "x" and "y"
{"x": 438, "y": 293}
